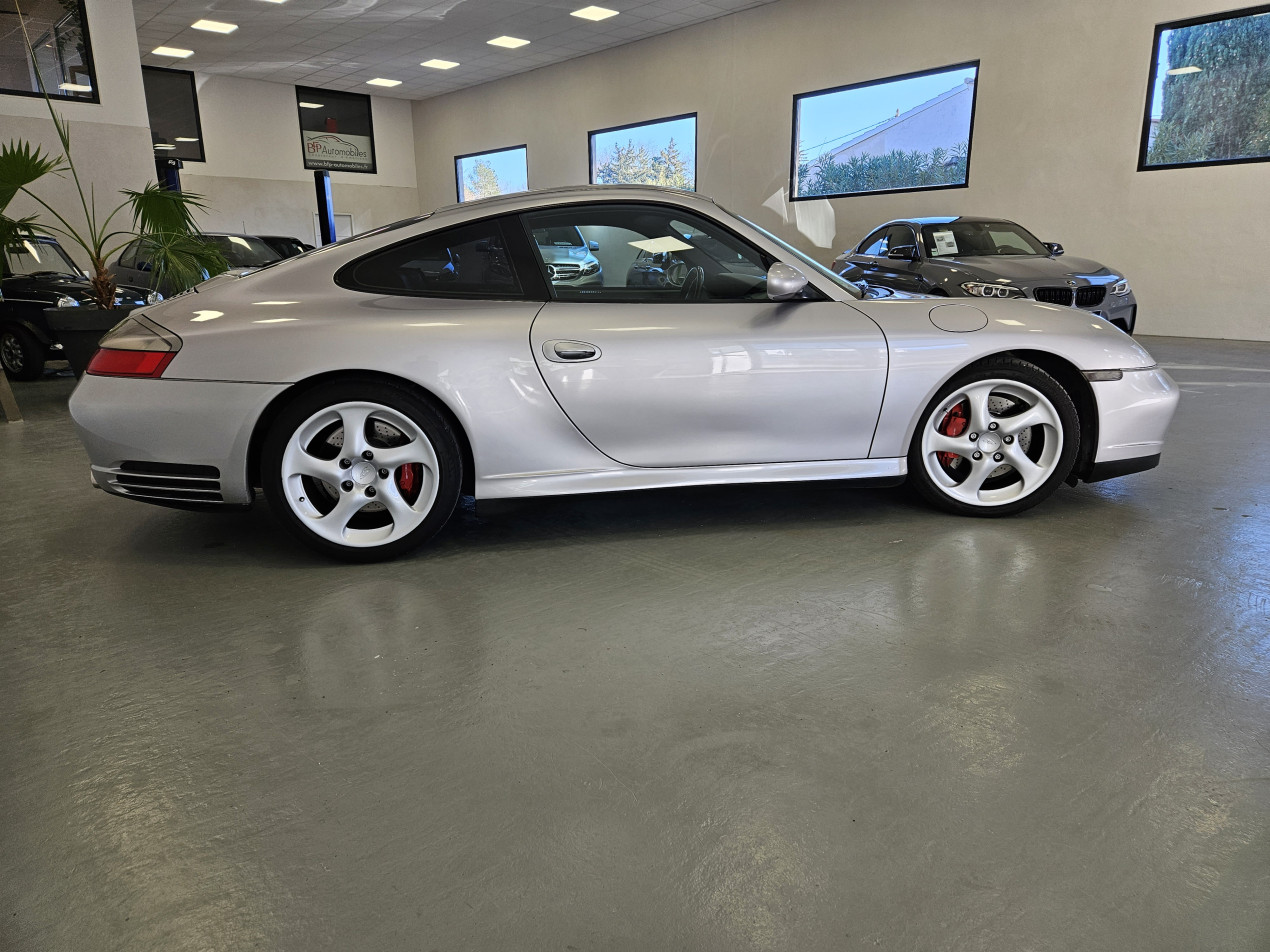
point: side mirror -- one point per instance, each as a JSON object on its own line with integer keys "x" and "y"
{"x": 784, "y": 282}
{"x": 593, "y": 245}
{"x": 903, "y": 252}
{"x": 1054, "y": 247}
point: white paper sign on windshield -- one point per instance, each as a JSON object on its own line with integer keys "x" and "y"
{"x": 945, "y": 243}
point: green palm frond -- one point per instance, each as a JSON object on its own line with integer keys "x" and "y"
{"x": 156, "y": 209}
{"x": 181, "y": 259}
{"x": 21, "y": 165}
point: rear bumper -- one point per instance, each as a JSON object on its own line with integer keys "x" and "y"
{"x": 1133, "y": 415}
{"x": 177, "y": 443}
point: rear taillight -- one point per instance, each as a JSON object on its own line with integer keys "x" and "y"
{"x": 135, "y": 347}
{"x": 129, "y": 363}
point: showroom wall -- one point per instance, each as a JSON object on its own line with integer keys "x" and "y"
{"x": 110, "y": 140}
{"x": 1062, "y": 90}
{"x": 254, "y": 177}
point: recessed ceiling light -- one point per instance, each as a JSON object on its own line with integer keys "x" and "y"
{"x": 1183, "y": 70}
{"x": 75, "y": 87}
{"x": 311, "y": 105}
{"x": 275, "y": 1}
{"x": 594, "y": 13}
{"x": 508, "y": 42}
{"x": 185, "y": 139}
{"x": 164, "y": 145}
{"x": 439, "y": 64}
{"x": 214, "y": 26}
{"x": 171, "y": 51}
{"x": 383, "y": 82}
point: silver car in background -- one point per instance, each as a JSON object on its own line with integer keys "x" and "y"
{"x": 366, "y": 385}
{"x": 988, "y": 258}
{"x": 568, "y": 256}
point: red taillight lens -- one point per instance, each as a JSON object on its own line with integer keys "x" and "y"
{"x": 129, "y": 363}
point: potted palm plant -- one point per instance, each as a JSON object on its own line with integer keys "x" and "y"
{"x": 162, "y": 218}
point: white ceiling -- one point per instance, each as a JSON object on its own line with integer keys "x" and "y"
{"x": 340, "y": 44}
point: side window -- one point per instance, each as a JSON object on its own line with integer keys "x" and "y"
{"x": 643, "y": 254}
{"x": 899, "y": 235}
{"x": 129, "y": 257}
{"x": 467, "y": 261}
{"x": 874, "y": 245}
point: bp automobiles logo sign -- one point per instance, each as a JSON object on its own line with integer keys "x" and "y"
{"x": 338, "y": 152}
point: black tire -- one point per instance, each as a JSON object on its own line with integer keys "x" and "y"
{"x": 304, "y": 429}
{"x": 1015, "y": 388}
{"x": 21, "y": 354}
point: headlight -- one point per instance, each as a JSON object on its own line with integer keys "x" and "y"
{"x": 590, "y": 268}
{"x": 67, "y": 301}
{"x": 1121, "y": 288}
{"x": 979, "y": 289}
{"x": 154, "y": 297}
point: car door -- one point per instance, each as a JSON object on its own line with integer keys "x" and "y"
{"x": 130, "y": 269}
{"x": 709, "y": 373}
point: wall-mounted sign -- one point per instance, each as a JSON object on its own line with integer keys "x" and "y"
{"x": 336, "y": 131}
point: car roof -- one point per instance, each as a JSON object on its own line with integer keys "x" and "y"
{"x": 944, "y": 220}
{"x": 565, "y": 193}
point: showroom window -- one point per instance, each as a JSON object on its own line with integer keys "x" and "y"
{"x": 471, "y": 260}
{"x": 57, "y": 31}
{"x": 1208, "y": 101}
{"x": 662, "y": 152}
{"x": 486, "y": 174}
{"x": 337, "y": 130}
{"x": 176, "y": 129}
{"x": 901, "y": 134}
{"x": 644, "y": 254}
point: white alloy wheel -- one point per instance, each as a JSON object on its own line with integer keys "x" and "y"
{"x": 995, "y": 441}
{"x": 362, "y": 472}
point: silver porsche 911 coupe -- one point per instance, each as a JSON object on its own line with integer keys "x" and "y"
{"x": 366, "y": 385}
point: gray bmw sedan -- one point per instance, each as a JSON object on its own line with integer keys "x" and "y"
{"x": 987, "y": 258}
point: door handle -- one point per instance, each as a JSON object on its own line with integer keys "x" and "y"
{"x": 572, "y": 350}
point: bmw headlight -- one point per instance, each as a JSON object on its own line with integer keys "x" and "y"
{"x": 154, "y": 297}
{"x": 591, "y": 267}
{"x": 66, "y": 301}
{"x": 980, "y": 289}
{"x": 1121, "y": 288}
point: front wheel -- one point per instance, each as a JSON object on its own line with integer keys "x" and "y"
{"x": 998, "y": 439}
{"x": 364, "y": 471}
{"x": 21, "y": 354}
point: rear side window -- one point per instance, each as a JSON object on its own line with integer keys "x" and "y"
{"x": 467, "y": 261}
{"x": 874, "y": 245}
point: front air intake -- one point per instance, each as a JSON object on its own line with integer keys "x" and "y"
{"x": 167, "y": 482}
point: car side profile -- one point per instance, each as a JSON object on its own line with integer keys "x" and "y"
{"x": 365, "y": 386}
{"x": 968, "y": 256}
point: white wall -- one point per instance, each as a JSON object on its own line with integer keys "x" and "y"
{"x": 110, "y": 140}
{"x": 1062, "y": 89}
{"x": 254, "y": 178}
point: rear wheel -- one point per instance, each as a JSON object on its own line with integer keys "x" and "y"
{"x": 997, "y": 440}
{"x": 363, "y": 471}
{"x": 20, "y": 353}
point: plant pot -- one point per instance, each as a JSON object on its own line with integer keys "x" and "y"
{"x": 79, "y": 329}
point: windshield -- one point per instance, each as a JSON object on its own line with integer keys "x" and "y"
{"x": 243, "y": 251}
{"x": 851, "y": 288}
{"x": 38, "y": 256}
{"x": 978, "y": 239}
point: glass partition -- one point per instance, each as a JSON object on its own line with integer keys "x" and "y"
{"x": 57, "y": 31}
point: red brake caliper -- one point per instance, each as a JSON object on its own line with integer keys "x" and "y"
{"x": 408, "y": 481}
{"x": 953, "y": 424}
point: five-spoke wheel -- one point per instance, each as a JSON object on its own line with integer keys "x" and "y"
{"x": 998, "y": 439}
{"x": 364, "y": 471}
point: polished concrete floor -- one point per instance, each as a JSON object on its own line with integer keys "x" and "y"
{"x": 792, "y": 717}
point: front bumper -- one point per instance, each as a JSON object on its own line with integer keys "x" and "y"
{"x": 1133, "y": 415}
{"x": 171, "y": 442}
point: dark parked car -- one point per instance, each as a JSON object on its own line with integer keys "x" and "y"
{"x": 988, "y": 258}
{"x": 285, "y": 245}
{"x": 241, "y": 251}
{"x": 36, "y": 274}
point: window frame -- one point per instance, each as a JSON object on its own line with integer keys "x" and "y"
{"x": 458, "y": 182}
{"x": 370, "y": 127}
{"x": 198, "y": 117}
{"x": 89, "y": 62}
{"x": 532, "y": 285}
{"x": 916, "y": 74}
{"x": 696, "y": 136}
{"x": 1143, "y": 142}
{"x": 671, "y": 211}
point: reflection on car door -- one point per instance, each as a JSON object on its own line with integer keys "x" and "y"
{"x": 656, "y": 378}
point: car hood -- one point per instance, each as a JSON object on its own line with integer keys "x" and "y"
{"x": 52, "y": 286}
{"x": 1026, "y": 268}
{"x": 561, "y": 254}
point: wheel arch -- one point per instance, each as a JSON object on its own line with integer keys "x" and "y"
{"x": 280, "y": 402}
{"x": 1073, "y": 381}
